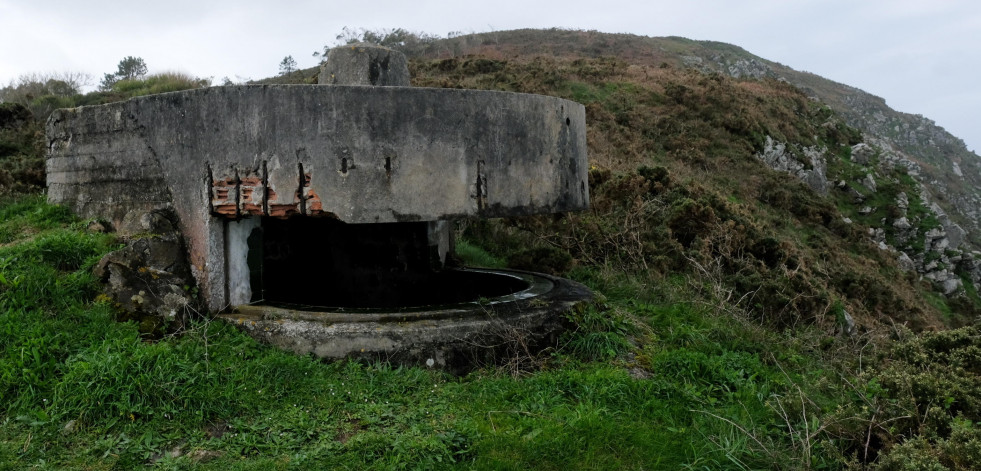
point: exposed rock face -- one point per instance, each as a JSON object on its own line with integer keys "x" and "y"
{"x": 778, "y": 157}
{"x": 863, "y": 154}
{"x": 902, "y": 202}
{"x": 869, "y": 182}
{"x": 892, "y": 140}
{"x": 948, "y": 174}
{"x": 150, "y": 278}
{"x": 734, "y": 66}
{"x": 970, "y": 264}
{"x": 905, "y": 262}
{"x": 948, "y": 282}
{"x": 941, "y": 244}
{"x": 936, "y": 240}
{"x": 955, "y": 234}
{"x": 930, "y": 154}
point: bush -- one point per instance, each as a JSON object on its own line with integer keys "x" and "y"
{"x": 159, "y": 83}
{"x": 21, "y": 150}
{"x": 546, "y": 259}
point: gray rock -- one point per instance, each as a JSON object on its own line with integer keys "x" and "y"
{"x": 847, "y": 323}
{"x": 934, "y": 234}
{"x": 902, "y": 224}
{"x": 869, "y": 182}
{"x": 863, "y": 153}
{"x": 936, "y": 240}
{"x": 150, "y": 277}
{"x": 905, "y": 262}
{"x": 879, "y": 235}
{"x": 743, "y": 68}
{"x": 97, "y": 227}
{"x": 904, "y": 230}
{"x": 778, "y": 157}
{"x": 902, "y": 202}
{"x": 951, "y": 285}
{"x": 955, "y": 234}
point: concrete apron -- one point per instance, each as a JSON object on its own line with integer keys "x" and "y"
{"x": 456, "y": 337}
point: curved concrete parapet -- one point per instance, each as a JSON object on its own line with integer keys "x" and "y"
{"x": 360, "y": 154}
{"x": 354, "y": 153}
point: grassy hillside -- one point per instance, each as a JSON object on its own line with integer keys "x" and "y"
{"x": 723, "y": 338}
{"x": 655, "y": 376}
{"x": 677, "y": 190}
{"x": 917, "y": 138}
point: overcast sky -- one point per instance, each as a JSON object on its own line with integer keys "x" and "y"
{"x": 922, "y": 56}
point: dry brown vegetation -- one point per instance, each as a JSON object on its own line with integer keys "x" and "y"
{"x": 676, "y": 189}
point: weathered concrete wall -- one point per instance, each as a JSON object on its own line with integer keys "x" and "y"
{"x": 365, "y": 64}
{"x": 360, "y": 154}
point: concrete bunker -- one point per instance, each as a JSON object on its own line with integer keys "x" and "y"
{"x": 318, "y": 217}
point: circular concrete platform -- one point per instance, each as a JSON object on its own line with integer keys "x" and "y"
{"x": 454, "y": 337}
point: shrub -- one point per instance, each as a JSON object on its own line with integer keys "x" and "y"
{"x": 546, "y": 259}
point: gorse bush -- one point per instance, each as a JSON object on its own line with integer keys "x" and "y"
{"x": 21, "y": 149}
{"x": 932, "y": 385}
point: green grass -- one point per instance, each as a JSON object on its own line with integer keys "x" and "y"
{"x": 638, "y": 384}
{"x": 474, "y": 256}
{"x": 648, "y": 378}
{"x": 158, "y": 83}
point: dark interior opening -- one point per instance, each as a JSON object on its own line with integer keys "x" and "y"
{"x": 321, "y": 262}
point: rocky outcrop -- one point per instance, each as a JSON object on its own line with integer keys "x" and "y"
{"x": 808, "y": 164}
{"x": 948, "y": 176}
{"x": 970, "y": 264}
{"x": 938, "y": 258}
{"x": 149, "y": 279}
{"x": 736, "y": 66}
{"x": 864, "y": 154}
{"x": 931, "y": 155}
